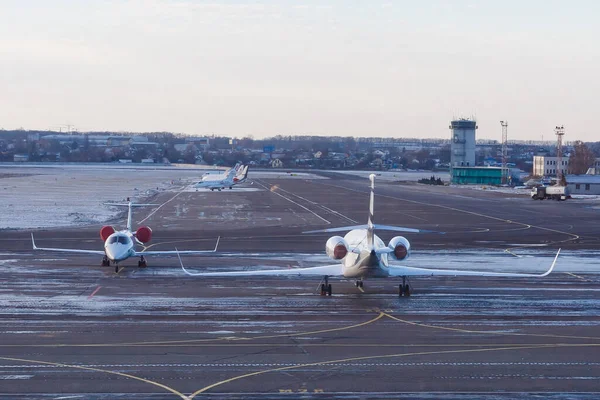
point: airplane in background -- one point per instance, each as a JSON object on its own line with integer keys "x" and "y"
{"x": 209, "y": 176}
{"x": 120, "y": 245}
{"x": 234, "y": 177}
{"x": 362, "y": 254}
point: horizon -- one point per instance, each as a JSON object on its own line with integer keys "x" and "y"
{"x": 318, "y": 68}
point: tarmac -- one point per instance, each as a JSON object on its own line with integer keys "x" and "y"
{"x": 72, "y": 329}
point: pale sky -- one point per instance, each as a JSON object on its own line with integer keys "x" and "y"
{"x": 267, "y": 67}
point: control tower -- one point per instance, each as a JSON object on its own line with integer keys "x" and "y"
{"x": 462, "y": 147}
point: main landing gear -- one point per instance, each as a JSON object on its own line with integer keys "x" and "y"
{"x": 325, "y": 287}
{"x": 142, "y": 262}
{"x": 105, "y": 262}
{"x": 404, "y": 288}
{"x": 359, "y": 284}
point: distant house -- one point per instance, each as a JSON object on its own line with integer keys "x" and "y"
{"x": 21, "y": 158}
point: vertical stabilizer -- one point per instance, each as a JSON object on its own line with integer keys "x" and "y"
{"x": 129, "y": 214}
{"x": 230, "y": 175}
{"x": 370, "y": 225}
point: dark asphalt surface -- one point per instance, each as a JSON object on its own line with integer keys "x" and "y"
{"x": 69, "y": 327}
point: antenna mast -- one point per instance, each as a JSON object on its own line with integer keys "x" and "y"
{"x": 504, "y": 151}
{"x": 559, "y": 131}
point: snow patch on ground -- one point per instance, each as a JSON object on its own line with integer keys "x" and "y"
{"x": 66, "y": 195}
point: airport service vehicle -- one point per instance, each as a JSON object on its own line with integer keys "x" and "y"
{"x": 361, "y": 254}
{"x": 550, "y": 192}
{"x": 234, "y": 177}
{"x": 120, "y": 245}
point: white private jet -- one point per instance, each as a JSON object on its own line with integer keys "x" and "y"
{"x": 210, "y": 176}
{"x": 120, "y": 245}
{"x": 362, "y": 254}
{"x": 234, "y": 176}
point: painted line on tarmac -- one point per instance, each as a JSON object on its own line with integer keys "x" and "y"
{"x": 161, "y": 206}
{"x": 346, "y": 360}
{"x": 194, "y": 341}
{"x": 160, "y": 385}
{"x": 319, "y": 205}
{"x": 352, "y": 364}
{"x": 292, "y": 201}
{"x": 573, "y": 236}
{"x": 578, "y": 277}
{"x": 542, "y": 335}
{"x": 94, "y": 292}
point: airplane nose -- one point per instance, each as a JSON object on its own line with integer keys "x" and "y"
{"x": 115, "y": 253}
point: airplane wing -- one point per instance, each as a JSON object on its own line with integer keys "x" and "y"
{"x": 329, "y": 270}
{"x": 413, "y": 271}
{"x": 81, "y": 251}
{"x": 376, "y": 226}
{"x": 168, "y": 252}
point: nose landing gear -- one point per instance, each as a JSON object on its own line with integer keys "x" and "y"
{"x": 142, "y": 262}
{"x": 404, "y": 288}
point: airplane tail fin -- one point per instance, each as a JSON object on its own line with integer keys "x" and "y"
{"x": 231, "y": 174}
{"x": 129, "y": 206}
{"x": 370, "y": 226}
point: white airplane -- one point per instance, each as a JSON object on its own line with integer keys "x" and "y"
{"x": 120, "y": 245}
{"x": 362, "y": 254}
{"x": 234, "y": 177}
{"x": 221, "y": 175}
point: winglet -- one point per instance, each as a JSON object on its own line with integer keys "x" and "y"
{"x": 33, "y": 242}
{"x": 552, "y": 266}
{"x": 181, "y": 263}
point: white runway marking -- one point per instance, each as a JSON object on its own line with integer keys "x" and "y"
{"x": 293, "y": 202}
{"x": 319, "y": 205}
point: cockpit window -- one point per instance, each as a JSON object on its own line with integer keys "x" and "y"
{"x": 118, "y": 239}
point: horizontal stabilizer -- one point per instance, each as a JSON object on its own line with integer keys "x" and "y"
{"x": 128, "y": 204}
{"x": 376, "y": 226}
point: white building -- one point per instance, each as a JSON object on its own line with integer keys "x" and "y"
{"x": 548, "y": 166}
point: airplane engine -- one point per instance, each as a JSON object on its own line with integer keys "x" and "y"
{"x": 401, "y": 248}
{"x": 106, "y": 231}
{"x": 336, "y": 247}
{"x": 143, "y": 234}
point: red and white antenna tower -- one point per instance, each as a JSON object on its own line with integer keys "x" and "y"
{"x": 559, "y": 131}
{"x": 504, "y": 151}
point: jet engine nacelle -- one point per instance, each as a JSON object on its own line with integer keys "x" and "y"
{"x": 400, "y": 247}
{"x": 336, "y": 247}
{"x": 106, "y": 231}
{"x": 143, "y": 234}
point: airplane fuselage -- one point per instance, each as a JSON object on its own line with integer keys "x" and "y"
{"x": 363, "y": 262}
{"x": 119, "y": 246}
